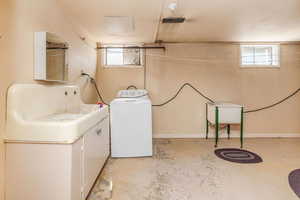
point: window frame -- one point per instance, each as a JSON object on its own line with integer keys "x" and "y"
{"x": 260, "y": 66}
{"x": 140, "y": 65}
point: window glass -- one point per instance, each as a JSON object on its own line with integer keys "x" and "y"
{"x": 114, "y": 56}
{"x": 260, "y": 55}
{"x": 132, "y": 57}
{"x": 123, "y": 57}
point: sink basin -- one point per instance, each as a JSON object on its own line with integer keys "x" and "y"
{"x": 62, "y": 117}
{"x": 49, "y": 115}
{"x": 84, "y": 109}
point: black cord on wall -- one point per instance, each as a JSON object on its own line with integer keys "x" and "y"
{"x": 93, "y": 81}
{"x": 274, "y": 104}
{"x": 198, "y": 92}
{"x": 210, "y": 100}
{"x": 178, "y": 92}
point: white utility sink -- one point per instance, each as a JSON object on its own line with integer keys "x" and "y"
{"x": 228, "y": 113}
{"x": 41, "y": 113}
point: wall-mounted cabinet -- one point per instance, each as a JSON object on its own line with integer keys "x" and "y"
{"x": 51, "y": 57}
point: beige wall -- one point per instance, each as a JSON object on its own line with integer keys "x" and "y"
{"x": 214, "y": 69}
{"x": 19, "y": 20}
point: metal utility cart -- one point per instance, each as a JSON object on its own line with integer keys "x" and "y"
{"x": 224, "y": 113}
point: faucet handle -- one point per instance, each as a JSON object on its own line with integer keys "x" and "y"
{"x": 99, "y": 132}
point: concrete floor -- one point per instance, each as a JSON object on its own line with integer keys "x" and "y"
{"x": 189, "y": 170}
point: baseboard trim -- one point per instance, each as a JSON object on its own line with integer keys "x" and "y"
{"x": 224, "y": 135}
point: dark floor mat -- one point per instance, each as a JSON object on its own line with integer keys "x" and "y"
{"x": 294, "y": 180}
{"x": 238, "y": 156}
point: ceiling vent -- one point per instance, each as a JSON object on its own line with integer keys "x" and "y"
{"x": 173, "y": 20}
{"x": 119, "y": 24}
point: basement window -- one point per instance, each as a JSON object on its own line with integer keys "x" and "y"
{"x": 260, "y": 55}
{"x": 123, "y": 57}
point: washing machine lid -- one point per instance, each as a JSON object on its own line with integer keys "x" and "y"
{"x": 131, "y": 101}
{"x": 132, "y": 94}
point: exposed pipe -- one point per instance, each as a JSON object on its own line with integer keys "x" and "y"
{"x": 134, "y": 47}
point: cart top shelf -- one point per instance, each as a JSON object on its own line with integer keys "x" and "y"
{"x": 224, "y": 105}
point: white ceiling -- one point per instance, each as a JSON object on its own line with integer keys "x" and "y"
{"x": 213, "y": 20}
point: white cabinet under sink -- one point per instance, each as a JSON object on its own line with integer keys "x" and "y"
{"x": 96, "y": 151}
{"x": 55, "y": 145}
{"x": 56, "y": 171}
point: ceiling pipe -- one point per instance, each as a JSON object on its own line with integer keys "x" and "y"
{"x": 134, "y": 47}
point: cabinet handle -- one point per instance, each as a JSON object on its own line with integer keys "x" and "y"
{"x": 99, "y": 132}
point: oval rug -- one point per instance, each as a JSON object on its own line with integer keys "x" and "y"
{"x": 238, "y": 156}
{"x": 294, "y": 181}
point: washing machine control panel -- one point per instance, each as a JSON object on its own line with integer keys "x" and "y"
{"x": 132, "y": 93}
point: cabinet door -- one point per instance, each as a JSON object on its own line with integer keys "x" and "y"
{"x": 96, "y": 150}
{"x": 77, "y": 170}
{"x": 105, "y": 141}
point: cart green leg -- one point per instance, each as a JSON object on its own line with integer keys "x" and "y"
{"x": 228, "y": 131}
{"x": 217, "y": 126}
{"x": 242, "y": 127}
{"x": 207, "y": 127}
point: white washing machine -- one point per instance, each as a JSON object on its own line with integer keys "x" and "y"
{"x": 131, "y": 124}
